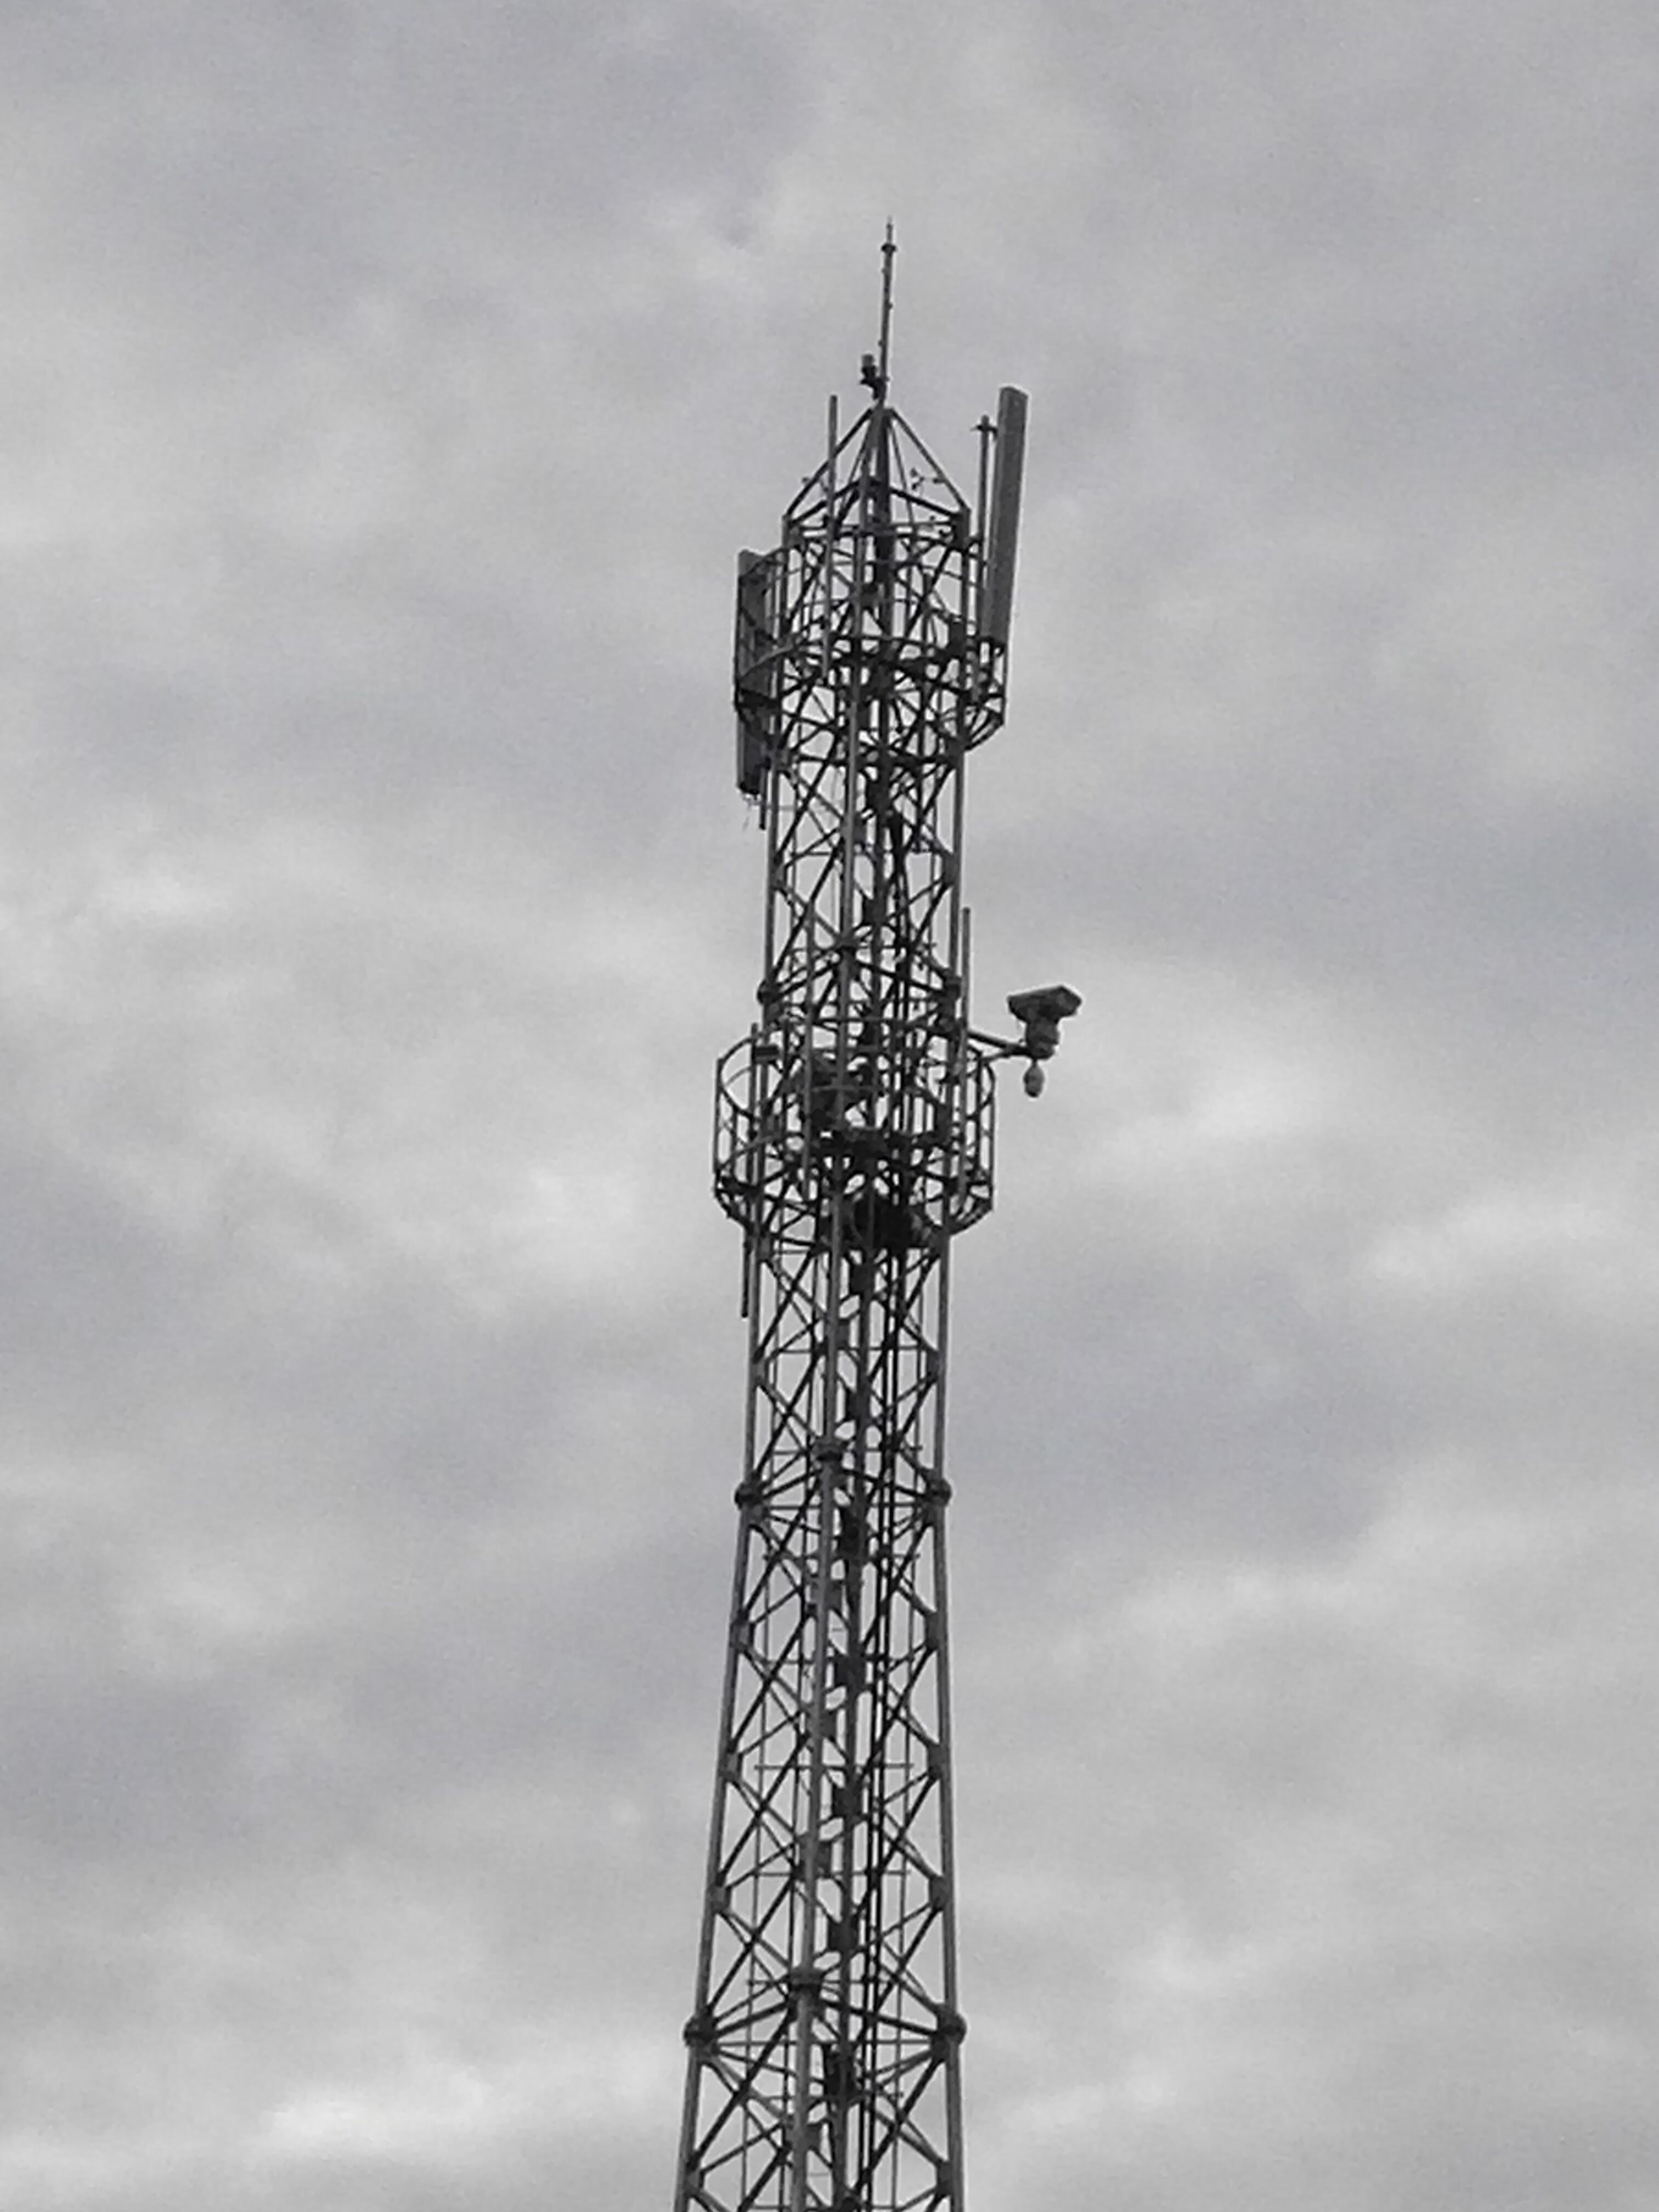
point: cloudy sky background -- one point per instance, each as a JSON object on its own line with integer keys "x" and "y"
{"x": 386, "y": 389}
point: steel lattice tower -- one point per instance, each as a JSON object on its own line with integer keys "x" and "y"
{"x": 853, "y": 1131}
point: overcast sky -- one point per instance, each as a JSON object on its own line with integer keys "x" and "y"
{"x": 386, "y": 387}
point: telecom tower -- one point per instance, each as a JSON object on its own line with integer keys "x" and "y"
{"x": 854, "y": 1130}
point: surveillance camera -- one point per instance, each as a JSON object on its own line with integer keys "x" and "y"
{"x": 1041, "y": 1012}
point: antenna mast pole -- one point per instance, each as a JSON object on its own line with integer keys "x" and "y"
{"x": 853, "y": 1131}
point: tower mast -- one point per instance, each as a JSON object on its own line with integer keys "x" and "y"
{"x": 853, "y": 1131}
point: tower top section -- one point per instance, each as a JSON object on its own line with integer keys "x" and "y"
{"x": 886, "y": 575}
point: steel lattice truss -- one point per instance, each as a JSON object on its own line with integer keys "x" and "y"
{"x": 854, "y": 1138}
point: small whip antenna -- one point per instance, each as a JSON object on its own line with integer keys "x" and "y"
{"x": 888, "y": 249}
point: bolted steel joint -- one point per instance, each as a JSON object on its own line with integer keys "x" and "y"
{"x": 805, "y": 1985}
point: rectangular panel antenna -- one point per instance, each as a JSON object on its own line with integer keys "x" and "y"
{"x": 755, "y": 672}
{"x": 1007, "y": 481}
